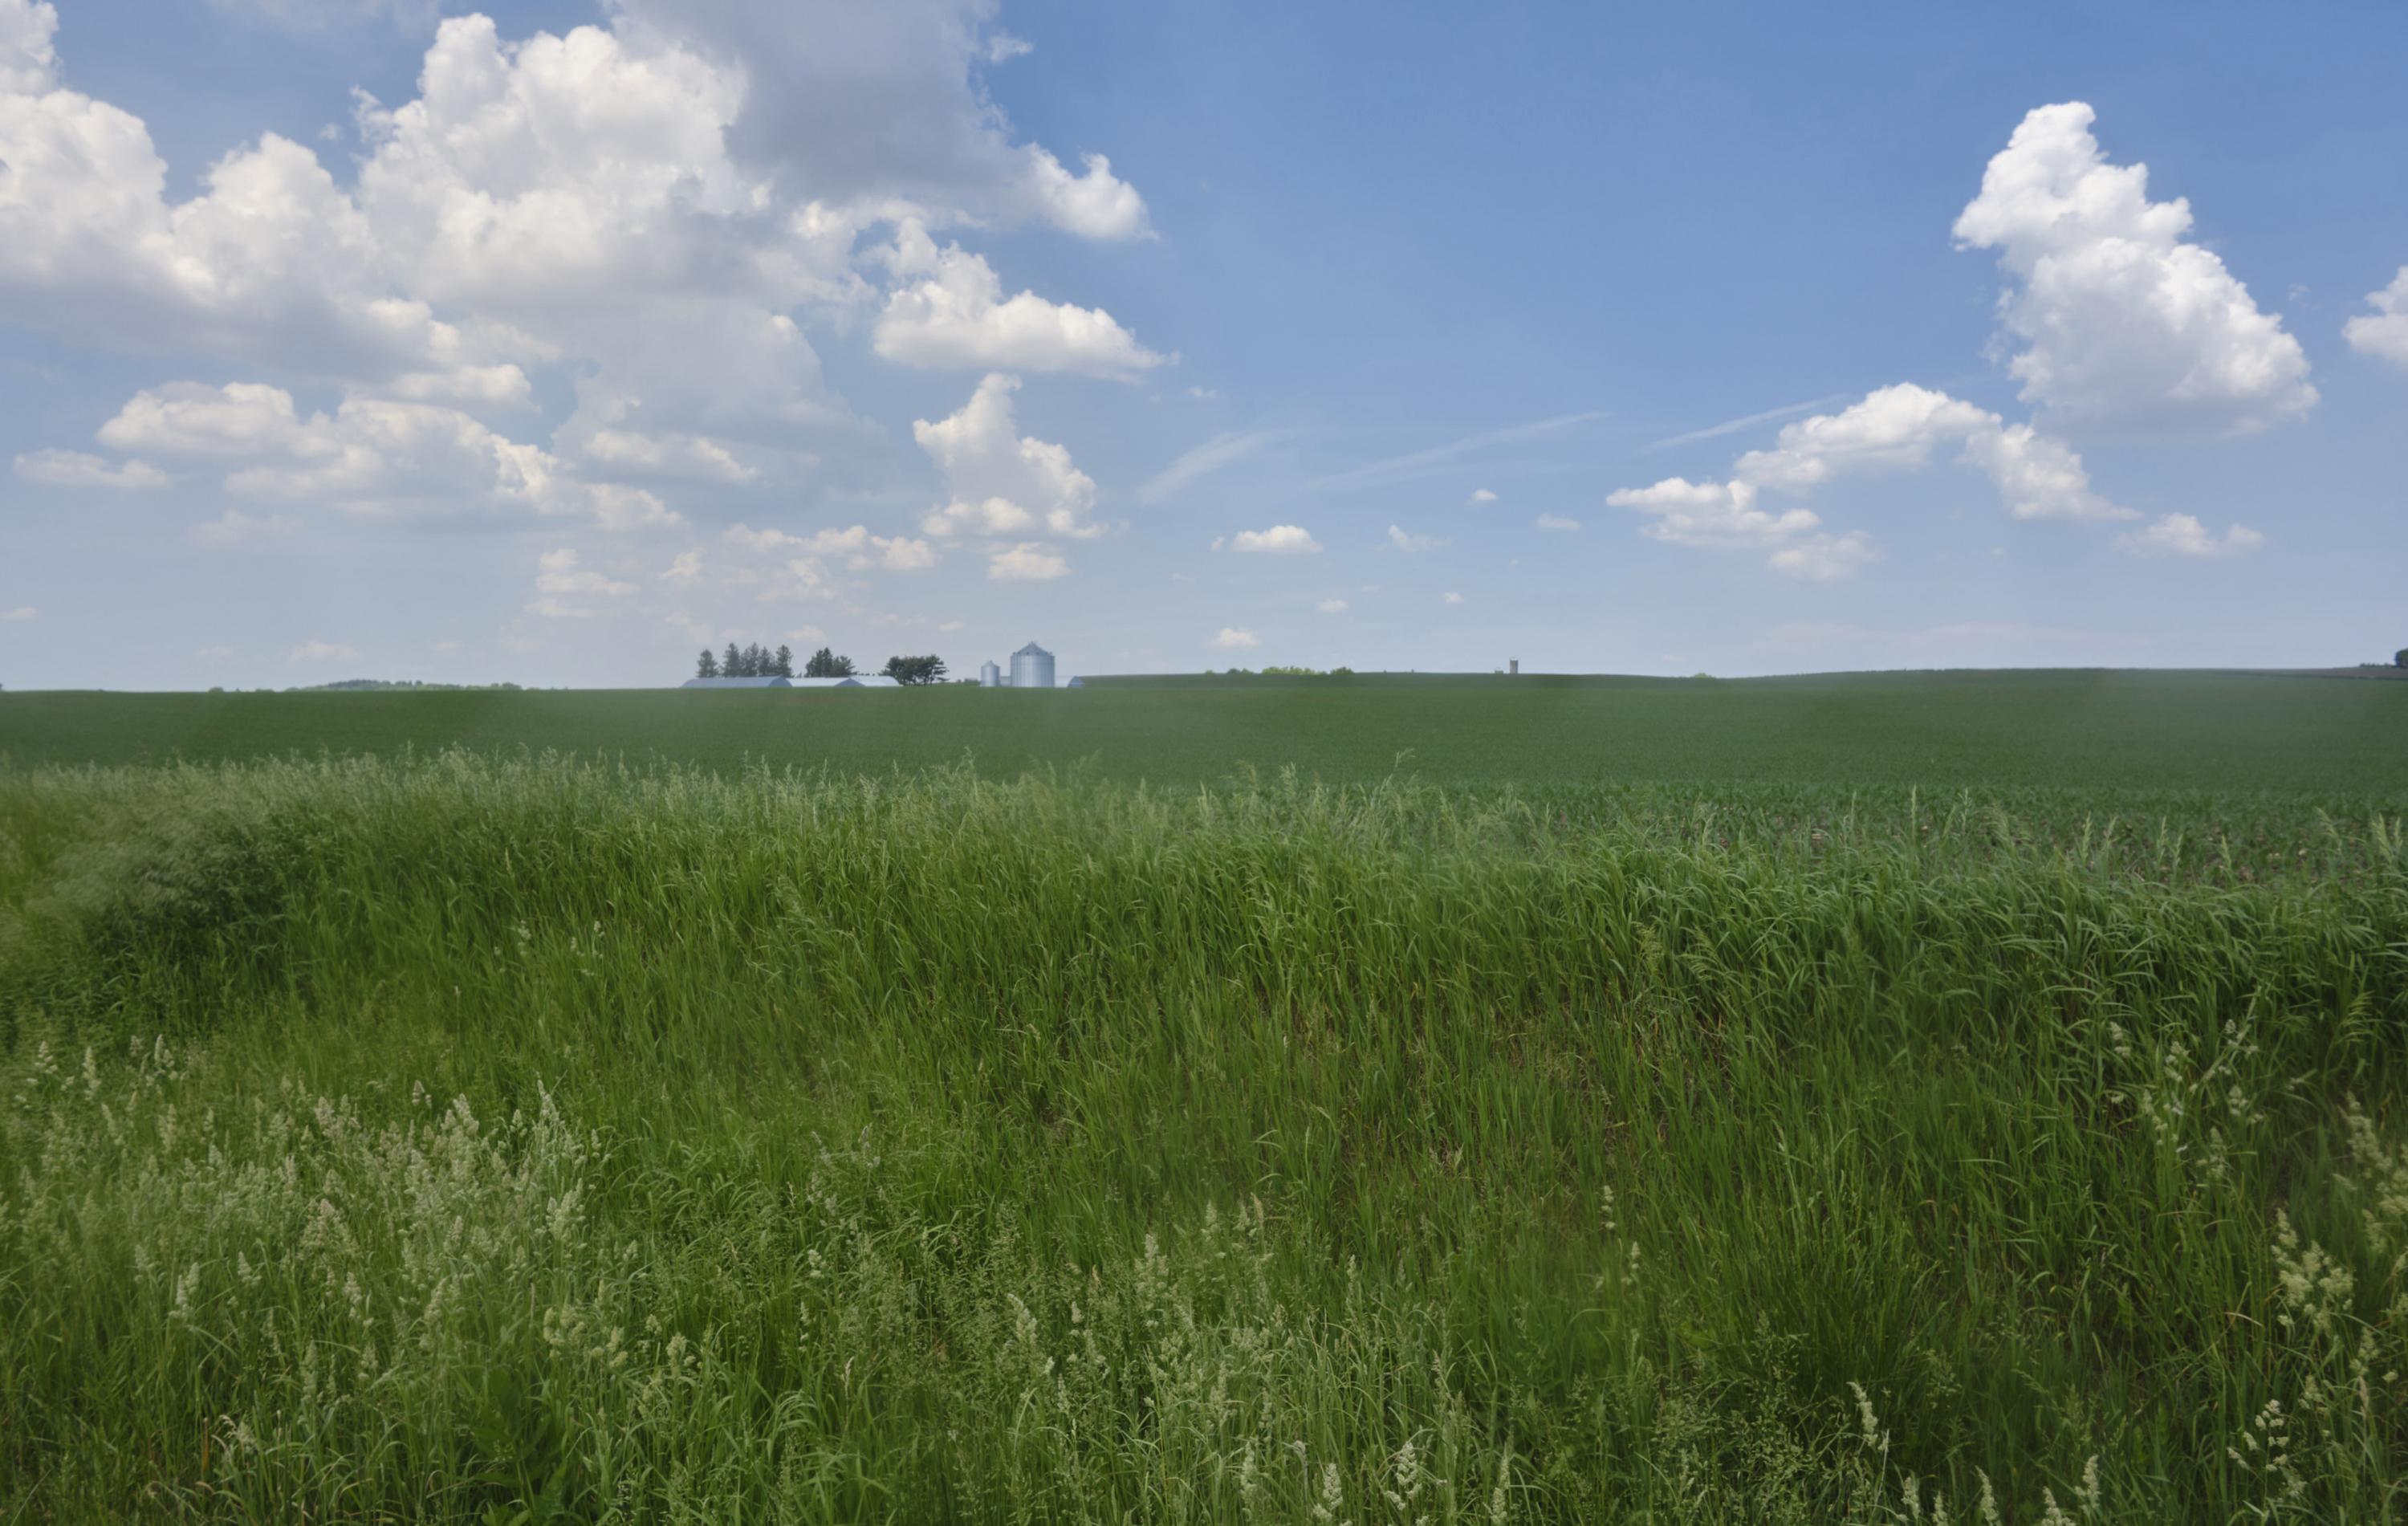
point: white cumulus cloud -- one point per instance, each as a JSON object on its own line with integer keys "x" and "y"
{"x": 1825, "y": 558}
{"x": 1279, "y": 541}
{"x": 1236, "y": 639}
{"x": 1028, "y": 562}
{"x": 951, "y": 311}
{"x": 640, "y": 208}
{"x": 1894, "y": 428}
{"x": 1481, "y": 494}
{"x": 1721, "y": 516}
{"x": 671, "y": 454}
{"x": 314, "y": 649}
{"x": 2383, "y": 332}
{"x": 2039, "y": 476}
{"x": 1406, "y": 541}
{"x": 862, "y": 549}
{"x": 373, "y": 455}
{"x": 1094, "y": 204}
{"x": 2183, "y": 534}
{"x": 28, "y": 61}
{"x": 1000, "y": 483}
{"x": 888, "y": 100}
{"x": 566, "y": 589}
{"x": 806, "y": 558}
{"x": 77, "y": 468}
{"x": 2120, "y": 319}
{"x": 1331, "y": 606}
{"x": 1899, "y": 427}
{"x": 1557, "y": 522}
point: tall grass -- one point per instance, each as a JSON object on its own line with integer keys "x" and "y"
{"x": 448, "y": 1137}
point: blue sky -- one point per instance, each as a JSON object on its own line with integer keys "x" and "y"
{"x": 551, "y": 342}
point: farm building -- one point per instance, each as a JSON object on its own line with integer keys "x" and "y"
{"x": 990, "y": 676}
{"x": 1032, "y": 668}
{"x": 861, "y": 680}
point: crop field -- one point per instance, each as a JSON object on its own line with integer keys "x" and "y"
{"x": 2158, "y": 734}
{"x": 1902, "y": 1099}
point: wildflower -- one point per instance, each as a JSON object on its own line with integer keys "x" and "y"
{"x": 1874, "y": 1437}
{"x": 1333, "y": 1494}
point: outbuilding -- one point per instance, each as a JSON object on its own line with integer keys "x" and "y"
{"x": 740, "y": 682}
{"x": 1032, "y": 668}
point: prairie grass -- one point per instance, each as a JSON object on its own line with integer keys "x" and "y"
{"x": 451, "y": 1138}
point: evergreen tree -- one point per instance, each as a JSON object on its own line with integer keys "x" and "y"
{"x": 824, "y": 663}
{"x": 783, "y": 665}
{"x": 708, "y": 666}
{"x": 732, "y": 664}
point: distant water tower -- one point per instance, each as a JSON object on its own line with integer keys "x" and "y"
{"x": 1032, "y": 668}
{"x": 990, "y": 676}
{"x": 1514, "y": 664}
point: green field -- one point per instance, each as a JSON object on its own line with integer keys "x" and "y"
{"x": 2153, "y": 733}
{"x": 1889, "y": 1098}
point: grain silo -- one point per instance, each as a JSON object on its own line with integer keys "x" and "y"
{"x": 1032, "y": 668}
{"x": 990, "y": 676}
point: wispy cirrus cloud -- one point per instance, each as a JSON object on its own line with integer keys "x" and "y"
{"x": 1414, "y": 462}
{"x": 1193, "y": 466}
{"x": 1732, "y": 427}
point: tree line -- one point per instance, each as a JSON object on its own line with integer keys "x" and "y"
{"x": 757, "y": 661}
{"x": 753, "y": 661}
